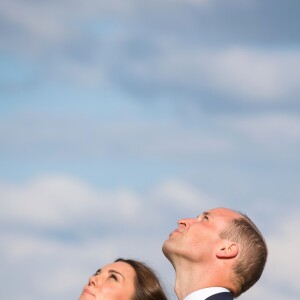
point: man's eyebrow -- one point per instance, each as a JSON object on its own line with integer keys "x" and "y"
{"x": 205, "y": 213}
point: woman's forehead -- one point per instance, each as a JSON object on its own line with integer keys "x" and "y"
{"x": 119, "y": 266}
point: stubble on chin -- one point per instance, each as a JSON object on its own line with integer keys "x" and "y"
{"x": 168, "y": 249}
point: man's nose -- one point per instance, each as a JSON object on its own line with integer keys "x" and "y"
{"x": 186, "y": 222}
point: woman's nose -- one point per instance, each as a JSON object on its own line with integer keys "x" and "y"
{"x": 93, "y": 281}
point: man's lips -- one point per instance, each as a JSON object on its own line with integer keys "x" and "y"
{"x": 175, "y": 231}
{"x": 86, "y": 291}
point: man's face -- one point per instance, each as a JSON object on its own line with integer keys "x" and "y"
{"x": 198, "y": 238}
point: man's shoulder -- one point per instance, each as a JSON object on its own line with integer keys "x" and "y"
{"x": 221, "y": 296}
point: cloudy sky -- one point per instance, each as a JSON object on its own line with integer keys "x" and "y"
{"x": 118, "y": 118}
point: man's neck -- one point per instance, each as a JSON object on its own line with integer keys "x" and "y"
{"x": 188, "y": 281}
{"x": 190, "y": 278}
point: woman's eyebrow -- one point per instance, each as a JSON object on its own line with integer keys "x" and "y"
{"x": 98, "y": 272}
{"x": 114, "y": 271}
{"x": 109, "y": 271}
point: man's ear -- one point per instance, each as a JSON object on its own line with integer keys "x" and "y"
{"x": 228, "y": 250}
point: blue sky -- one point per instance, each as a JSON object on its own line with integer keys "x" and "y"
{"x": 117, "y": 119}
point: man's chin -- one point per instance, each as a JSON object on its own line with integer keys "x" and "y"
{"x": 166, "y": 248}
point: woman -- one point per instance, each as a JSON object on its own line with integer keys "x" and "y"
{"x": 125, "y": 279}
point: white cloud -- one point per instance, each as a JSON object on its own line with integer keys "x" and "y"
{"x": 60, "y": 202}
{"x": 257, "y": 75}
{"x": 284, "y": 255}
{"x": 280, "y": 278}
{"x": 247, "y": 74}
{"x": 243, "y": 74}
{"x": 52, "y": 30}
{"x": 56, "y": 201}
{"x": 268, "y": 128}
{"x": 60, "y": 137}
{"x": 183, "y": 196}
{"x": 39, "y": 20}
{"x": 262, "y": 290}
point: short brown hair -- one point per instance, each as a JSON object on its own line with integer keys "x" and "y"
{"x": 252, "y": 256}
{"x": 147, "y": 285}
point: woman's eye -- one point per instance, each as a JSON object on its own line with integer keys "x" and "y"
{"x": 114, "y": 277}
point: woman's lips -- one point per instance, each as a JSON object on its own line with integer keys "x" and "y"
{"x": 86, "y": 291}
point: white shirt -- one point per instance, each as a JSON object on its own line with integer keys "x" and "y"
{"x": 205, "y": 293}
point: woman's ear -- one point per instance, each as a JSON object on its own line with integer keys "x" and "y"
{"x": 228, "y": 250}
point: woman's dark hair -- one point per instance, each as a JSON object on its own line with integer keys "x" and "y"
{"x": 147, "y": 285}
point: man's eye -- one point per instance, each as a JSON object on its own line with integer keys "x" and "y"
{"x": 205, "y": 217}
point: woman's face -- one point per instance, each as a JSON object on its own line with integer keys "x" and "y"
{"x": 113, "y": 282}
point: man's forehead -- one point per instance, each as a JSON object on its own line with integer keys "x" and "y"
{"x": 222, "y": 212}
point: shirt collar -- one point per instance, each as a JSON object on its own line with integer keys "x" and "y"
{"x": 205, "y": 293}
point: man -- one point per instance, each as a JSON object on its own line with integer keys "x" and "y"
{"x": 216, "y": 256}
